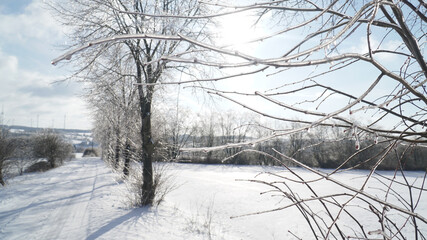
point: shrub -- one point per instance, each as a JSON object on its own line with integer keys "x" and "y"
{"x": 52, "y": 147}
{"x": 162, "y": 185}
{"x": 41, "y": 166}
{"x": 90, "y": 152}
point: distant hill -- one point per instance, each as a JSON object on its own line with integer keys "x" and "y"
{"x": 34, "y": 129}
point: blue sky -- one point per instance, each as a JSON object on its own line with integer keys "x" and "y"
{"x": 29, "y": 40}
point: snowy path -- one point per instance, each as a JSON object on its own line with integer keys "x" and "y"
{"x": 82, "y": 200}
{"x": 53, "y": 205}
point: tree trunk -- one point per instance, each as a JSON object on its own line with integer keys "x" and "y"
{"x": 117, "y": 154}
{"x": 148, "y": 149}
{"x": 147, "y": 191}
{"x": 127, "y": 159}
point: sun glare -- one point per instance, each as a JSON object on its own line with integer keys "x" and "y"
{"x": 236, "y": 30}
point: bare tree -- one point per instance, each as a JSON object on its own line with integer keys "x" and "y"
{"x": 113, "y": 97}
{"x": 91, "y": 20}
{"x": 175, "y": 127}
{"x": 7, "y": 148}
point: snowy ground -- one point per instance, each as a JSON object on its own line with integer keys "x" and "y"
{"x": 83, "y": 200}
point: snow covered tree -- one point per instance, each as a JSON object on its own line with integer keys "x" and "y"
{"x": 113, "y": 99}
{"x": 333, "y": 38}
{"x": 91, "y": 20}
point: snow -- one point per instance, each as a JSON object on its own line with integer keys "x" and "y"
{"x": 84, "y": 199}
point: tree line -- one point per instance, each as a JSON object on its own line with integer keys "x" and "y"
{"x": 323, "y": 147}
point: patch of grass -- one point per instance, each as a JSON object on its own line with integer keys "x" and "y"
{"x": 201, "y": 221}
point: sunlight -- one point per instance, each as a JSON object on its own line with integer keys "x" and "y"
{"x": 238, "y": 29}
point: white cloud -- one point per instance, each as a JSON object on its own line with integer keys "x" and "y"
{"x": 8, "y": 64}
{"x": 27, "y": 40}
{"x": 34, "y": 24}
{"x": 25, "y": 94}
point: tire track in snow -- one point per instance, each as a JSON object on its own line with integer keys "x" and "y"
{"x": 82, "y": 214}
{"x": 72, "y": 217}
{"x": 87, "y": 212}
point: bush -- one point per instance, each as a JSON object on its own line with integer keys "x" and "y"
{"x": 41, "y": 166}
{"x": 90, "y": 152}
{"x": 52, "y": 147}
{"x": 162, "y": 185}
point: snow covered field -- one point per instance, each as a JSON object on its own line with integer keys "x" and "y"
{"x": 84, "y": 200}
